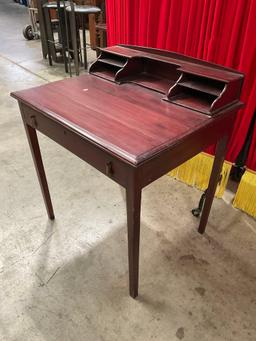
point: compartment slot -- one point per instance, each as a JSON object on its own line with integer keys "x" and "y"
{"x": 153, "y": 82}
{"x": 151, "y": 74}
{"x": 106, "y": 71}
{"x": 207, "y": 85}
{"x": 112, "y": 59}
{"x": 193, "y": 99}
{"x": 113, "y": 62}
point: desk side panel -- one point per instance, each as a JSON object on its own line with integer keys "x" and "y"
{"x": 186, "y": 148}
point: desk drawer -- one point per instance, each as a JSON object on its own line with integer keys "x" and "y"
{"x": 103, "y": 160}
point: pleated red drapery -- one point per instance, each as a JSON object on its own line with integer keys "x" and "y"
{"x": 219, "y": 31}
{"x": 251, "y": 160}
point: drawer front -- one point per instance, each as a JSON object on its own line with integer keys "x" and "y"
{"x": 99, "y": 158}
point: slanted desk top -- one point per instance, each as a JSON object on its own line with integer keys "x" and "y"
{"x": 138, "y": 114}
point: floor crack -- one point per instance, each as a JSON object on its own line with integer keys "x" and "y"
{"x": 24, "y": 68}
{"x": 53, "y": 274}
{"x": 44, "y": 242}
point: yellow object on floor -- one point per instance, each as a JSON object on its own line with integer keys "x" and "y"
{"x": 245, "y": 198}
{"x": 196, "y": 172}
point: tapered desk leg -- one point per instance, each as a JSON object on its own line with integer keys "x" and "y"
{"x": 37, "y": 158}
{"x": 214, "y": 179}
{"x": 133, "y": 203}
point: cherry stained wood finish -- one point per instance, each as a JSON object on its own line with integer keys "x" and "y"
{"x": 216, "y": 169}
{"x": 37, "y": 158}
{"x": 128, "y": 120}
{"x": 91, "y": 153}
{"x": 127, "y": 131}
{"x": 190, "y": 64}
{"x": 133, "y": 204}
{"x": 207, "y": 88}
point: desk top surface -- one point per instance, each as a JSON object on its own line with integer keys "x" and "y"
{"x": 132, "y": 122}
{"x": 125, "y": 113}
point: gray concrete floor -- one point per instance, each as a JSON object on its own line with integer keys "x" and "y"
{"x": 67, "y": 280}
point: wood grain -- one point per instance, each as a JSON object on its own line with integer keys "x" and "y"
{"x": 128, "y": 120}
{"x": 127, "y": 131}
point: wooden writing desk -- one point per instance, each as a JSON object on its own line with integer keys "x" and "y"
{"x": 137, "y": 115}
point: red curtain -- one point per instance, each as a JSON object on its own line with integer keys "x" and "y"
{"x": 251, "y": 160}
{"x": 221, "y": 31}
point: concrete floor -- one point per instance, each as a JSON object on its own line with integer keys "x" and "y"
{"x": 67, "y": 280}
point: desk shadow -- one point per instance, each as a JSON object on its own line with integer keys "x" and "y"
{"x": 190, "y": 287}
